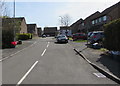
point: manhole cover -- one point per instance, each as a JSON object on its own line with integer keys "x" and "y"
{"x": 100, "y": 75}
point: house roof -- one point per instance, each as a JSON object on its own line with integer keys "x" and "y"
{"x": 107, "y": 10}
{"x": 78, "y": 21}
{"x": 31, "y": 25}
{"x": 18, "y": 18}
{"x": 39, "y": 28}
{"x": 92, "y": 16}
{"x": 50, "y": 28}
{"x": 98, "y": 14}
{"x": 64, "y": 27}
{"x": 13, "y": 19}
{"x": 7, "y": 21}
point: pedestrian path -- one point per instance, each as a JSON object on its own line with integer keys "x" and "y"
{"x": 99, "y": 58}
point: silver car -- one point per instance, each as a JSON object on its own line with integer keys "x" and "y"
{"x": 96, "y": 36}
{"x": 62, "y": 39}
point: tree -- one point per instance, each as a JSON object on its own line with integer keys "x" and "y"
{"x": 65, "y": 21}
{"x": 3, "y": 8}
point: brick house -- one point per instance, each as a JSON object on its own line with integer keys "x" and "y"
{"x": 86, "y": 23}
{"x": 106, "y": 16}
{"x": 15, "y": 24}
{"x": 95, "y": 21}
{"x": 50, "y": 31}
{"x": 39, "y": 31}
{"x": 75, "y": 26}
{"x": 32, "y": 28}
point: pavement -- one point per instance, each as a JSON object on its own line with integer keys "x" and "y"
{"x": 99, "y": 60}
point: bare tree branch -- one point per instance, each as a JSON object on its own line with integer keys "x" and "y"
{"x": 65, "y": 20}
{"x": 3, "y": 8}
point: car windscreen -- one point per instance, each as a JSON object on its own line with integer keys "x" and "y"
{"x": 93, "y": 34}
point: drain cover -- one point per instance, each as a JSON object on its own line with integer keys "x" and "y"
{"x": 100, "y": 75}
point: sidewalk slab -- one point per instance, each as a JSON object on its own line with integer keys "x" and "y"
{"x": 99, "y": 58}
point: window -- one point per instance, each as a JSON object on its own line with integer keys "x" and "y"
{"x": 93, "y": 22}
{"x": 96, "y": 21}
{"x": 82, "y": 24}
{"x": 104, "y": 18}
{"x": 100, "y": 19}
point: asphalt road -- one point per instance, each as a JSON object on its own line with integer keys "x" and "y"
{"x": 47, "y": 62}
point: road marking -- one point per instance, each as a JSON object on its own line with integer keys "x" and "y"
{"x": 21, "y": 80}
{"x": 16, "y": 52}
{"x": 33, "y": 44}
{"x": 99, "y": 75}
{"x": 4, "y": 58}
{"x": 48, "y": 44}
{"x": 43, "y": 52}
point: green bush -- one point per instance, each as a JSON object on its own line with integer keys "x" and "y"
{"x": 7, "y": 38}
{"x": 112, "y": 35}
{"x": 23, "y": 36}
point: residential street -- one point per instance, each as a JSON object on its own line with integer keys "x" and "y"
{"x": 47, "y": 62}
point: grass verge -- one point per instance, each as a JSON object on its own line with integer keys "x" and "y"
{"x": 103, "y": 49}
{"x": 78, "y": 41}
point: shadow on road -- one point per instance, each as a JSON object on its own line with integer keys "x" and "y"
{"x": 110, "y": 63}
{"x": 59, "y": 43}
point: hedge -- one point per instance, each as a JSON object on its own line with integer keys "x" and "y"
{"x": 7, "y": 38}
{"x": 23, "y": 36}
{"x": 112, "y": 35}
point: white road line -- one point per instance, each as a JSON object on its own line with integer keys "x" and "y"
{"x": 17, "y": 52}
{"x": 21, "y": 80}
{"x": 43, "y": 52}
{"x": 4, "y": 58}
{"x": 33, "y": 44}
{"x": 48, "y": 44}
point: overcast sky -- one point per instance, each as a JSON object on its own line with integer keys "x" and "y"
{"x": 46, "y": 13}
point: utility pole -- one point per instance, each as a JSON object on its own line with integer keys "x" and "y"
{"x": 14, "y": 21}
{"x": 14, "y": 9}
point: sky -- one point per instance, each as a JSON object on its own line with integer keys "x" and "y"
{"x": 47, "y": 13}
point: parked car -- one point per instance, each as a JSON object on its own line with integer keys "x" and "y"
{"x": 19, "y": 42}
{"x": 48, "y": 35}
{"x": 96, "y": 37}
{"x": 89, "y": 34}
{"x": 79, "y": 36}
{"x": 9, "y": 44}
{"x": 43, "y": 36}
{"x": 62, "y": 39}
